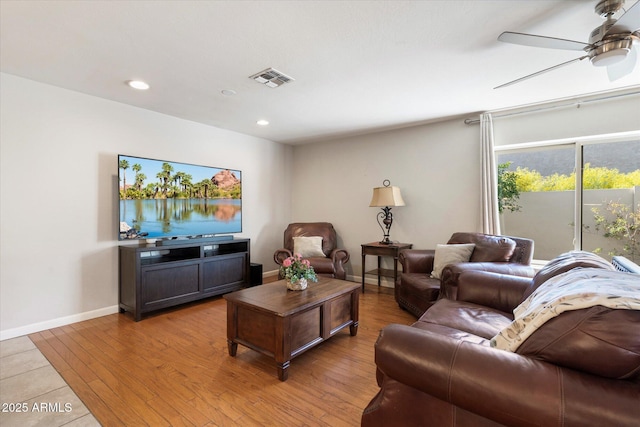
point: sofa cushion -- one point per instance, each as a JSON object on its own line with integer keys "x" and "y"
{"x": 322, "y": 265}
{"x": 467, "y": 317}
{"x": 416, "y": 292}
{"x": 587, "y": 311}
{"x": 450, "y": 254}
{"x": 452, "y": 333}
{"x": 488, "y": 248}
{"x": 606, "y": 340}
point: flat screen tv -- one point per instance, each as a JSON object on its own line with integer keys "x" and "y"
{"x": 163, "y": 200}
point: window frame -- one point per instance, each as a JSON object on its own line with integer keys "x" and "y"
{"x": 578, "y": 144}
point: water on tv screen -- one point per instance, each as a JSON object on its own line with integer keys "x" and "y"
{"x": 162, "y": 199}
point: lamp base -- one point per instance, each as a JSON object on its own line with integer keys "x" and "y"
{"x": 387, "y": 219}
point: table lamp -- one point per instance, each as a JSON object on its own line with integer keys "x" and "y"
{"x": 386, "y": 197}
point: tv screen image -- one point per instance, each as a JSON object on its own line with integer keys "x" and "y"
{"x": 162, "y": 199}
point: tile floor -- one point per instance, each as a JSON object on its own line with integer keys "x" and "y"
{"x": 32, "y": 393}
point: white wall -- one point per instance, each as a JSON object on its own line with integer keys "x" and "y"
{"x": 58, "y": 198}
{"x": 594, "y": 118}
{"x": 436, "y": 166}
{"x": 554, "y": 234}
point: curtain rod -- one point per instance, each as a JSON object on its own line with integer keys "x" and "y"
{"x": 551, "y": 107}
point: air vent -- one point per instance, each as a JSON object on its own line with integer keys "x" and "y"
{"x": 272, "y": 78}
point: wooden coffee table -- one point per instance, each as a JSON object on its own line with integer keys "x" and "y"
{"x": 283, "y": 324}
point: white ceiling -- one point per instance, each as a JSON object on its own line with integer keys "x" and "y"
{"x": 359, "y": 66}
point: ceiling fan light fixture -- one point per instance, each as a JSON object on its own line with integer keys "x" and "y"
{"x": 610, "y": 44}
{"x": 610, "y": 57}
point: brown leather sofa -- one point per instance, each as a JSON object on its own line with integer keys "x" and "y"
{"x": 329, "y": 261}
{"x": 581, "y": 368}
{"x": 416, "y": 290}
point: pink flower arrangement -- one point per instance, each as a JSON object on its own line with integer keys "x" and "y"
{"x": 295, "y": 268}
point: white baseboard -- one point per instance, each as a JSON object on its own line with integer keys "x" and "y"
{"x": 56, "y": 323}
{"x": 372, "y": 280}
{"x": 270, "y": 273}
{"x": 67, "y": 320}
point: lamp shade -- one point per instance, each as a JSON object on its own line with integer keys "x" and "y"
{"x": 386, "y": 196}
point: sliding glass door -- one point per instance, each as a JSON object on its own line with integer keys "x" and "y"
{"x": 611, "y": 199}
{"x": 544, "y": 207}
{"x": 582, "y": 194}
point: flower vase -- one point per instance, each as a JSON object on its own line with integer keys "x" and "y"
{"x": 297, "y": 285}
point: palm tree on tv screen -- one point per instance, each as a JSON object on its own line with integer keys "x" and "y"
{"x": 124, "y": 165}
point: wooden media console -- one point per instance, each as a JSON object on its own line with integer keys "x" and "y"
{"x": 154, "y": 277}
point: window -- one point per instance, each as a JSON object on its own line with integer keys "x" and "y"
{"x": 562, "y": 206}
{"x": 611, "y": 199}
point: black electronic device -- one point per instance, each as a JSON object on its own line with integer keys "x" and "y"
{"x": 255, "y": 274}
{"x": 172, "y": 202}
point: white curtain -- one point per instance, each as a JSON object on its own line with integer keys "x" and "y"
{"x": 489, "y": 180}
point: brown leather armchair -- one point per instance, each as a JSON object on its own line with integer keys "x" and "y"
{"x": 416, "y": 290}
{"x": 329, "y": 262}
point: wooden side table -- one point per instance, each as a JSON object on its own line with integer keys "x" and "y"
{"x": 380, "y": 250}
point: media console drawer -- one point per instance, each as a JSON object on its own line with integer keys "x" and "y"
{"x": 164, "y": 284}
{"x": 222, "y": 271}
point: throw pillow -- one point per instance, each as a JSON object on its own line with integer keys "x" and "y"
{"x": 308, "y": 246}
{"x": 450, "y": 254}
{"x": 489, "y": 248}
{"x": 493, "y": 249}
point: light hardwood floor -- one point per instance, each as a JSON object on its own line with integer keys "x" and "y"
{"x": 173, "y": 369}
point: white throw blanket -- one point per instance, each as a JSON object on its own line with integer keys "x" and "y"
{"x": 574, "y": 290}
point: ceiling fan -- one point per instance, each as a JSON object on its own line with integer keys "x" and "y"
{"x": 610, "y": 45}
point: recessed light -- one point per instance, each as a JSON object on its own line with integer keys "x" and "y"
{"x": 228, "y": 92}
{"x": 138, "y": 84}
{"x": 262, "y": 122}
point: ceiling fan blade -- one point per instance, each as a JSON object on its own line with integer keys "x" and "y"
{"x": 629, "y": 22}
{"x": 623, "y": 68}
{"x": 541, "y": 72}
{"x": 540, "y": 41}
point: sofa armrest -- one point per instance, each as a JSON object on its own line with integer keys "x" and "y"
{"x": 417, "y": 260}
{"x": 519, "y": 389}
{"x": 339, "y": 257}
{"x": 499, "y": 291}
{"x": 280, "y": 255}
{"x": 451, "y": 273}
